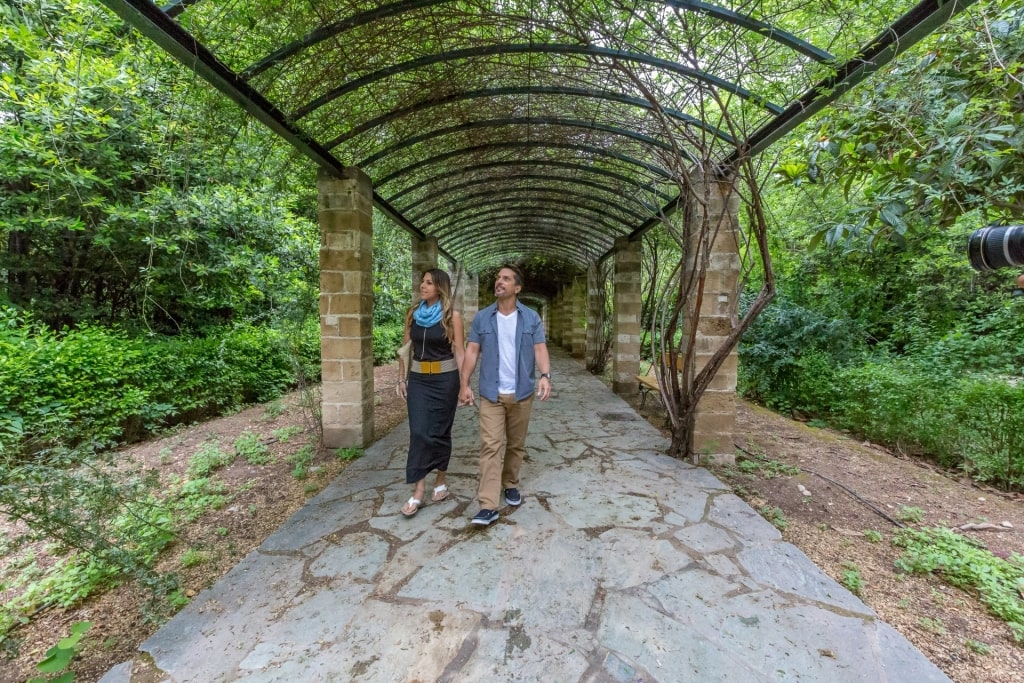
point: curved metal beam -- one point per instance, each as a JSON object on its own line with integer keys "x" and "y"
{"x": 525, "y": 144}
{"x": 573, "y": 233}
{"x": 529, "y": 90}
{"x": 518, "y": 243}
{"x": 558, "y": 227}
{"x": 558, "y": 206}
{"x": 183, "y": 46}
{"x": 173, "y": 9}
{"x": 515, "y": 121}
{"x": 517, "y": 228}
{"x": 923, "y": 19}
{"x": 751, "y": 24}
{"x": 330, "y": 30}
{"x": 582, "y": 224}
{"x": 529, "y": 244}
{"x": 533, "y": 48}
{"x": 615, "y": 192}
{"x": 501, "y": 191}
{"x": 568, "y": 165}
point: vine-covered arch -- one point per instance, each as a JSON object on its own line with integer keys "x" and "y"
{"x": 449, "y": 102}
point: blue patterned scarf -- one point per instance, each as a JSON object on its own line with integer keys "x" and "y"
{"x": 427, "y": 316}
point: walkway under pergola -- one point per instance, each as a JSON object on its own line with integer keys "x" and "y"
{"x": 551, "y": 133}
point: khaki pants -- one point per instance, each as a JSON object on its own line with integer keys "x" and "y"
{"x": 503, "y": 428}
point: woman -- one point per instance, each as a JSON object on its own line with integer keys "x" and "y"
{"x": 432, "y": 388}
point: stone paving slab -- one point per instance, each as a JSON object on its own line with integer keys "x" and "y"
{"x": 621, "y": 566}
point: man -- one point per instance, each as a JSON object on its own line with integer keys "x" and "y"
{"x": 510, "y": 339}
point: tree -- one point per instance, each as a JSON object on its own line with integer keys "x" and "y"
{"x": 129, "y": 195}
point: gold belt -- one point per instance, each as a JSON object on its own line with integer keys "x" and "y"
{"x": 434, "y": 367}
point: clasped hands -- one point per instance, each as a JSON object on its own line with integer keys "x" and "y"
{"x": 543, "y": 392}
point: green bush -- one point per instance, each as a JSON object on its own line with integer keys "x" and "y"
{"x": 206, "y": 376}
{"x": 886, "y": 402}
{"x": 988, "y": 419}
{"x": 68, "y": 387}
{"x": 971, "y": 422}
{"x": 302, "y": 341}
{"x": 789, "y": 355}
{"x": 387, "y": 337}
{"x": 934, "y": 403}
{"x": 100, "y": 387}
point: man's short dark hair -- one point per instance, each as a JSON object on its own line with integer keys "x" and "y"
{"x": 515, "y": 269}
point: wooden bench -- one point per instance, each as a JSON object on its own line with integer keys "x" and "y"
{"x": 649, "y": 381}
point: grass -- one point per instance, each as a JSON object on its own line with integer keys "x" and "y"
{"x": 274, "y": 409}
{"x": 934, "y": 625}
{"x": 349, "y": 453}
{"x": 977, "y": 647}
{"x": 194, "y": 558}
{"x": 285, "y": 433}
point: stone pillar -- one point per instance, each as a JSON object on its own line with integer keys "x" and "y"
{"x": 345, "y": 208}
{"x": 466, "y": 294}
{"x": 715, "y": 420}
{"x": 566, "y": 315}
{"x": 458, "y": 275}
{"x": 470, "y": 298}
{"x": 579, "y": 318}
{"x": 595, "y": 317}
{"x": 626, "y": 317}
{"x": 424, "y": 257}
{"x": 555, "y": 325}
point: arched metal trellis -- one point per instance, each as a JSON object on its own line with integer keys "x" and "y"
{"x": 575, "y": 116}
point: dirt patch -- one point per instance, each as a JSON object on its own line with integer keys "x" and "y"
{"x": 262, "y": 497}
{"x": 852, "y": 491}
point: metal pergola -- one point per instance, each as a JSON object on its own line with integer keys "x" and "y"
{"x": 544, "y": 129}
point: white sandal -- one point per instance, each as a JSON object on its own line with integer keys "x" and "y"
{"x": 443, "y": 490}
{"x": 415, "y": 503}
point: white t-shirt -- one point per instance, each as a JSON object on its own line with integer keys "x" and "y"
{"x": 507, "y": 352}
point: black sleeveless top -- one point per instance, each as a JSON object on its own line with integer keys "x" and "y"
{"x": 429, "y": 343}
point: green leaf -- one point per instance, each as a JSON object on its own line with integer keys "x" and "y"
{"x": 955, "y": 116}
{"x": 57, "y": 658}
{"x": 80, "y": 627}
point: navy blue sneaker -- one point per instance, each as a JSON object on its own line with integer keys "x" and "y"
{"x": 512, "y": 497}
{"x": 485, "y": 517}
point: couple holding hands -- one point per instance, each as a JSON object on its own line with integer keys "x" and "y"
{"x": 507, "y": 340}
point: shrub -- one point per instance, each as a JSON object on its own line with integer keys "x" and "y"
{"x": 208, "y": 375}
{"x": 988, "y": 430}
{"x": 68, "y": 388}
{"x": 100, "y": 387}
{"x": 386, "y": 340}
{"x": 789, "y": 356}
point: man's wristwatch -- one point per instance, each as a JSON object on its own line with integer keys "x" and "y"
{"x": 546, "y": 375}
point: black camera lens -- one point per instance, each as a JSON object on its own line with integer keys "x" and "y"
{"x": 996, "y": 247}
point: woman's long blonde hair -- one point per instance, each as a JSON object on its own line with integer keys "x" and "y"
{"x": 444, "y": 293}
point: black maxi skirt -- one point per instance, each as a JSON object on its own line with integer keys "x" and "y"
{"x": 431, "y": 400}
